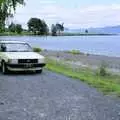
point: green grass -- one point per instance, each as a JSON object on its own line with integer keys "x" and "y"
{"x": 88, "y": 34}
{"x": 15, "y": 34}
{"x": 75, "y": 52}
{"x": 64, "y": 34}
{"x": 107, "y": 84}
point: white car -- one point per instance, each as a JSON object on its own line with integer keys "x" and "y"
{"x": 19, "y": 56}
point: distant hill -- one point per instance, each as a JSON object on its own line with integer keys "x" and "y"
{"x": 107, "y": 30}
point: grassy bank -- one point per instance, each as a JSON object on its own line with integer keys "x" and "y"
{"x": 15, "y": 34}
{"x": 88, "y": 34}
{"x": 64, "y": 34}
{"x": 107, "y": 84}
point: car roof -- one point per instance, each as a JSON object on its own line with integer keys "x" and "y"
{"x": 6, "y": 41}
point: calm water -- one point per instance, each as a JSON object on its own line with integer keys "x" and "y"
{"x": 103, "y": 45}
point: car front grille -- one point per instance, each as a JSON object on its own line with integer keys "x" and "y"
{"x": 26, "y": 65}
{"x": 28, "y": 61}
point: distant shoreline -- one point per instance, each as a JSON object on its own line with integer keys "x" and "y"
{"x": 62, "y": 34}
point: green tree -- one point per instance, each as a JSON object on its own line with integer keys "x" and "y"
{"x": 86, "y": 31}
{"x": 11, "y": 4}
{"x": 45, "y": 29}
{"x": 3, "y": 15}
{"x": 53, "y": 30}
{"x": 15, "y": 28}
{"x": 37, "y": 26}
{"x": 60, "y": 28}
{"x": 18, "y": 28}
{"x": 11, "y": 27}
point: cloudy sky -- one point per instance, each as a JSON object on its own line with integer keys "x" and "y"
{"x": 74, "y": 13}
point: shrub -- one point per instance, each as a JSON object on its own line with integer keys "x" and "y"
{"x": 87, "y": 54}
{"x": 75, "y": 52}
{"x": 37, "y": 49}
{"x": 102, "y": 70}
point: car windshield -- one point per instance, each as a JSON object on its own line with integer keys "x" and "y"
{"x": 15, "y": 47}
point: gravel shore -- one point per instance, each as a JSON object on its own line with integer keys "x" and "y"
{"x": 83, "y": 60}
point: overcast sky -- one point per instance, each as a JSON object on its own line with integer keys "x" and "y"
{"x": 74, "y": 13}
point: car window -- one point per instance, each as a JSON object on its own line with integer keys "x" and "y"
{"x": 15, "y": 47}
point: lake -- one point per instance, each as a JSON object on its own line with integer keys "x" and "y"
{"x": 101, "y": 45}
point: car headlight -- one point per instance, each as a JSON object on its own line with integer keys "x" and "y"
{"x": 13, "y": 61}
{"x": 42, "y": 60}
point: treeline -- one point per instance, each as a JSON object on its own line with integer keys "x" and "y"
{"x": 39, "y": 27}
{"x": 15, "y": 28}
{"x": 36, "y": 26}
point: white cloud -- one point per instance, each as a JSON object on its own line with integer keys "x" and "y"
{"x": 90, "y": 16}
{"x": 47, "y": 2}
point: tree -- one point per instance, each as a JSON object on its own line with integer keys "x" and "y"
{"x": 3, "y": 15}
{"x": 11, "y": 27}
{"x": 86, "y": 31}
{"x": 6, "y": 8}
{"x": 15, "y": 28}
{"x": 18, "y": 28}
{"x": 11, "y": 4}
{"x": 45, "y": 29}
{"x": 60, "y": 27}
{"x": 37, "y": 26}
{"x": 53, "y": 30}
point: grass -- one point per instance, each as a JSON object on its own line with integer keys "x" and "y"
{"x": 88, "y": 34}
{"x": 107, "y": 84}
{"x": 15, "y": 34}
{"x": 75, "y": 52}
{"x": 64, "y": 34}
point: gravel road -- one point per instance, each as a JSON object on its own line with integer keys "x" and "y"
{"x": 50, "y": 96}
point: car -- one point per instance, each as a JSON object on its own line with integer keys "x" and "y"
{"x": 19, "y": 56}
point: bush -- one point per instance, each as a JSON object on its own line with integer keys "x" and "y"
{"x": 87, "y": 54}
{"x": 75, "y": 52}
{"x": 102, "y": 70}
{"x": 37, "y": 49}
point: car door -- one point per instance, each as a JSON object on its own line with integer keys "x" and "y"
{"x": 0, "y": 54}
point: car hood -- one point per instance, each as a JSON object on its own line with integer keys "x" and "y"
{"x": 23, "y": 55}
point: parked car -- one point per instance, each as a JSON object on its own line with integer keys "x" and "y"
{"x": 19, "y": 56}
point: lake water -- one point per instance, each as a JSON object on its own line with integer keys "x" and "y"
{"x": 102, "y": 45}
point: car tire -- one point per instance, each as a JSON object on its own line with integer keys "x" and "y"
{"x": 4, "y": 68}
{"x": 39, "y": 71}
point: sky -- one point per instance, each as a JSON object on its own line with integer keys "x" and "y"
{"x": 75, "y": 14}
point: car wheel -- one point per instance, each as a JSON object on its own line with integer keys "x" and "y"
{"x": 4, "y": 68}
{"x": 39, "y": 71}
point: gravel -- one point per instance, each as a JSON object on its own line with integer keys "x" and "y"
{"x": 92, "y": 61}
{"x": 51, "y": 96}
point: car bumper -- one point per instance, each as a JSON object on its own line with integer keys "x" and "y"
{"x": 25, "y": 67}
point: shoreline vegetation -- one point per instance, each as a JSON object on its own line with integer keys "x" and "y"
{"x": 63, "y": 34}
{"x": 70, "y": 64}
